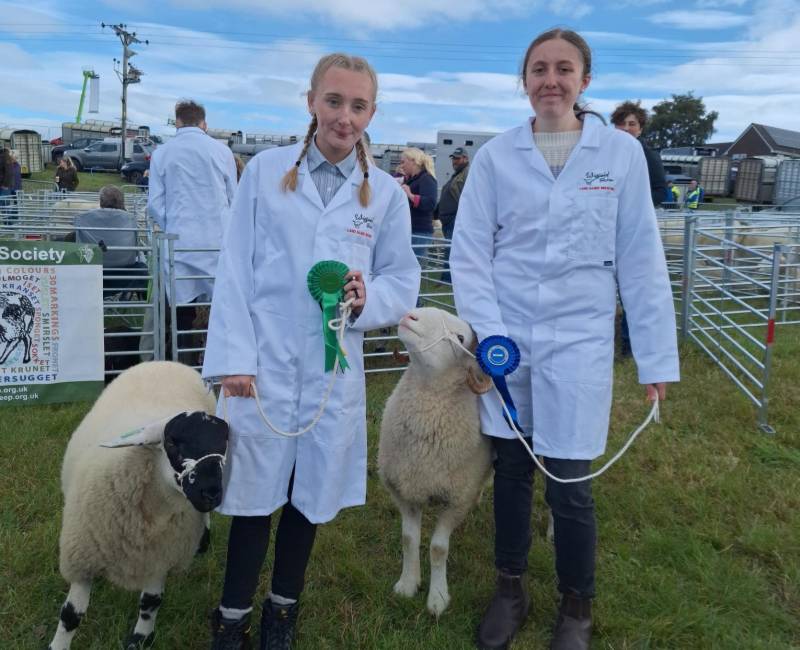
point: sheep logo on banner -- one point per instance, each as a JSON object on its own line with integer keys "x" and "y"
{"x": 85, "y": 253}
{"x": 16, "y": 322}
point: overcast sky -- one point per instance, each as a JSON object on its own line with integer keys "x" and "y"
{"x": 442, "y": 64}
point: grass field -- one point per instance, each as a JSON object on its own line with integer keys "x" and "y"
{"x": 88, "y": 181}
{"x": 699, "y": 538}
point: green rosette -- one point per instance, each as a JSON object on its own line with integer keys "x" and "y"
{"x": 326, "y": 282}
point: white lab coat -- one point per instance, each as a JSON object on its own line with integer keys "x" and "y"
{"x": 191, "y": 188}
{"x": 265, "y": 323}
{"x": 539, "y": 259}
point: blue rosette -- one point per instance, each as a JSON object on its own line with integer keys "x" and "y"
{"x": 497, "y": 357}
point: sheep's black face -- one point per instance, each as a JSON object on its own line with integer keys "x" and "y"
{"x": 191, "y": 437}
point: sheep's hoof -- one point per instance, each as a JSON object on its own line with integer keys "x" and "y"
{"x": 138, "y": 641}
{"x": 406, "y": 588}
{"x": 438, "y": 602}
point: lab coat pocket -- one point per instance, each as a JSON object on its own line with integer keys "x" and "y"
{"x": 356, "y": 256}
{"x": 583, "y": 351}
{"x": 345, "y": 413}
{"x": 593, "y": 231}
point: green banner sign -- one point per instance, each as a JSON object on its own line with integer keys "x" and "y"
{"x": 51, "y": 322}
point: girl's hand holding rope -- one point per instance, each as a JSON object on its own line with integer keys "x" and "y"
{"x": 658, "y": 390}
{"x": 238, "y": 385}
{"x": 356, "y": 290}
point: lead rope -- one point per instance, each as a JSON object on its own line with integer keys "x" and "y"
{"x": 189, "y": 465}
{"x": 652, "y": 416}
{"x": 338, "y": 324}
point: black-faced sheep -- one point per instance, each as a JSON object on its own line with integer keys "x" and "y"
{"x": 16, "y": 322}
{"x": 431, "y": 449}
{"x": 133, "y": 513}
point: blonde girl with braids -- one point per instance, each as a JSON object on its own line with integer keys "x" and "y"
{"x": 321, "y": 199}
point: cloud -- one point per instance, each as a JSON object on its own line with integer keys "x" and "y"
{"x": 393, "y": 14}
{"x": 705, "y": 20}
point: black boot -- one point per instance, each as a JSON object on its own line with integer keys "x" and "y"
{"x": 229, "y": 634}
{"x": 277, "y": 625}
{"x": 506, "y": 613}
{"x": 573, "y": 629}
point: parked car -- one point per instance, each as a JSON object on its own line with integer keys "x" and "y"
{"x": 133, "y": 171}
{"x": 104, "y": 155}
{"x": 81, "y": 143}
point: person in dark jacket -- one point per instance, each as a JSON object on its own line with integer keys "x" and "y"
{"x": 16, "y": 175}
{"x": 421, "y": 189}
{"x": 451, "y": 194}
{"x": 6, "y": 172}
{"x": 66, "y": 175}
{"x": 631, "y": 117}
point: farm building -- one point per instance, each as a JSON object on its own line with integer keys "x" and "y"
{"x": 761, "y": 140}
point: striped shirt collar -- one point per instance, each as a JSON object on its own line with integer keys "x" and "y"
{"x": 316, "y": 159}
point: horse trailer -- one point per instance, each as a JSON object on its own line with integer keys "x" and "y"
{"x": 28, "y": 145}
{"x": 715, "y": 175}
{"x": 787, "y": 183}
{"x": 447, "y": 141}
{"x": 755, "y": 180}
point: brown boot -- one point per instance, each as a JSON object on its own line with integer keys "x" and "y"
{"x": 506, "y": 613}
{"x": 573, "y": 629}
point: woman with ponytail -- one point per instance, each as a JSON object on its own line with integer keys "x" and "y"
{"x": 321, "y": 199}
{"x": 555, "y": 216}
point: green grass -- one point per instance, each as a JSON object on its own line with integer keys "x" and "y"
{"x": 699, "y": 538}
{"x": 89, "y": 182}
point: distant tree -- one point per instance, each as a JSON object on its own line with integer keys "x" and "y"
{"x": 679, "y": 122}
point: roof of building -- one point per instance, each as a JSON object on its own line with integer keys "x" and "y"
{"x": 778, "y": 140}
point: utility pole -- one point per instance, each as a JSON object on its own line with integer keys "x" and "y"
{"x": 128, "y": 75}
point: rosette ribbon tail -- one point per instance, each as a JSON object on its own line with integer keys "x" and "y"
{"x": 329, "y": 303}
{"x": 502, "y": 386}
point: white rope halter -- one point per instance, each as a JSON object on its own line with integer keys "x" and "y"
{"x": 652, "y": 416}
{"x": 189, "y": 466}
{"x": 337, "y": 324}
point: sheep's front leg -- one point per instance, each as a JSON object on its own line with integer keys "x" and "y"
{"x": 72, "y": 612}
{"x": 412, "y": 523}
{"x": 438, "y": 594}
{"x": 149, "y": 602}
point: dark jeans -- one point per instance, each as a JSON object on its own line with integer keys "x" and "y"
{"x": 573, "y": 516}
{"x": 447, "y": 231}
{"x": 247, "y": 548}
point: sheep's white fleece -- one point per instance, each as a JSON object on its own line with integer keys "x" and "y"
{"x": 120, "y": 519}
{"x": 431, "y": 449}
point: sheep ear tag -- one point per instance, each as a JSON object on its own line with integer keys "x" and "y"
{"x": 149, "y": 434}
{"x": 497, "y": 357}
{"x": 326, "y": 282}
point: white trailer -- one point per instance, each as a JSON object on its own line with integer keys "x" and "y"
{"x": 447, "y": 141}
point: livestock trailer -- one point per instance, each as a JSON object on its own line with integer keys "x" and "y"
{"x": 683, "y": 165}
{"x": 715, "y": 175}
{"x": 787, "y": 182}
{"x": 755, "y": 180}
{"x": 28, "y": 145}
{"x": 447, "y": 141}
{"x": 71, "y": 131}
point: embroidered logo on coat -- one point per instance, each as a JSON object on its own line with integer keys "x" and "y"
{"x": 362, "y": 225}
{"x": 598, "y": 180}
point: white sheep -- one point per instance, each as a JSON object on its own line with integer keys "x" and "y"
{"x": 133, "y": 513}
{"x": 431, "y": 449}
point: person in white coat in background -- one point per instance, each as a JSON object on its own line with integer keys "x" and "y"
{"x": 318, "y": 200}
{"x": 192, "y": 184}
{"x": 555, "y": 214}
